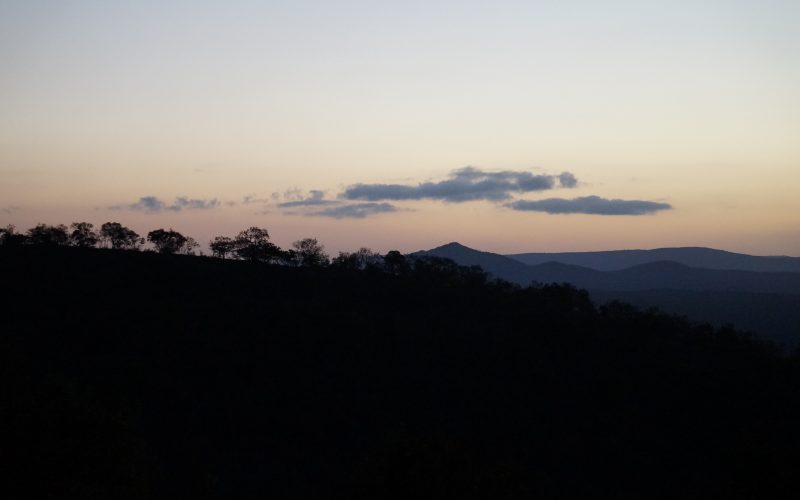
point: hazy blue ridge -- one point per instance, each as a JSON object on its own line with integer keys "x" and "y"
{"x": 708, "y": 258}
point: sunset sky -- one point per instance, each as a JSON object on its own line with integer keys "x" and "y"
{"x": 509, "y": 126}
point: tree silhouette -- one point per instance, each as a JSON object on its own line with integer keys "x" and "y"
{"x": 253, "y": 244}
{"x": 9, "y": 237}
{"x": 310, "y": 253}
{"x": 395, "y": 263}
{"x": 445, "y": 271}
{"x": 360, "y": 259}
{"x": 167, "y": 242}
{"x": 120, "y": 237}
{"x": 83, "y": 235}
{"x": 222, "y": 246}
{"x": 43, "y": 234}
{"x": 288, "y": 258}
{"x": 189, "y": 246}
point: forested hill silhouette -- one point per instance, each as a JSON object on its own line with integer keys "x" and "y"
{"x": 708, "y": 258}
{"x": 767, "y": 303}
{"x": 133, "y": 374}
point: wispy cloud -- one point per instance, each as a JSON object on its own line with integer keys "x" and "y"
{"x": 315, "y": 198}
{"x": 9, "y": 210}
{"x": 145, "y": 204}
{"x": 314, "y": 204}
{"x": 253, "y": 198}
{"x": 193, "y": 204}
{"x": 354, "y": 210}
{"x": 594, "y": 205}
{"x": 151, "y": 204}
{"x": 466, "y": 184}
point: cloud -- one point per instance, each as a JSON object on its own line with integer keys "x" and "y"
{"x": 183, "y": 202}
{"x": 314, "y": 198}
{"x": 567, "y": 180}
{"x": 146, "y": 204}
{"x": 151, "y": 204}
{"x": 9, "y": 210}
{"x": 354, "y": 210}
{"x": 590, "y": 205}
{"x": 252, "y": 198}
{"x": 466, "y": 184}
{"x": 290, "y": 194}
{"x": 315, "y": 205}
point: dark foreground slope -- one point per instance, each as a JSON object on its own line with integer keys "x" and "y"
{"x": 129, "y": 375}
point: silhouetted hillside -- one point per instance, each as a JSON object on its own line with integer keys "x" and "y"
{"x": 138, "y": 375}
{"x": 772, "y": 316}
{"x": 708, "y": 258}
{"x": 764, "y": 302}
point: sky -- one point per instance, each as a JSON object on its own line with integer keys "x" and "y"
{"x": 509, "y": 126}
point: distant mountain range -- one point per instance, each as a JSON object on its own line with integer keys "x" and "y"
{"x": 650, "y": 275}
{"x": 752, "y": 292}
{"x": 707, "y": 258}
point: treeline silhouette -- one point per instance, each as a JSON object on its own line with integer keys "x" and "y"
{"x": 252, "y": 244}
{"x": 269, "y": 374}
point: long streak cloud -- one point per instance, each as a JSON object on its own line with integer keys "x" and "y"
{"x": 151, "y": 204}
{"x": 465, "y": 184}
{"x": 354, "y": 210}
{"x": 593, "y": 205}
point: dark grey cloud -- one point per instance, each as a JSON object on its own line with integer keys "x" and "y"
{"x": 151, "y": 204}
{"x": 590, "y": 205}
{"x": 567, "y": 180}
{"x": 354, "y": 210}
{"x": 145, "y": 204}
{"x": 315, "y": 198}
{"x": 466, "y": 184}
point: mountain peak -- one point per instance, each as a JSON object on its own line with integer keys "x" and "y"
{"x": 453, "y": 245}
